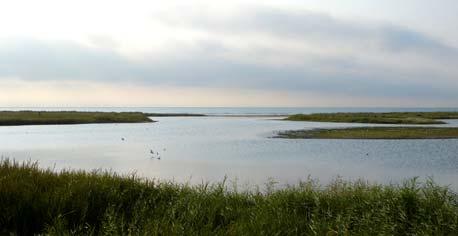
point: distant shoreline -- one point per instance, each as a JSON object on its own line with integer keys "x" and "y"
{"x": 18, "y": 118}
{"x": 239, "y": 111}
{"x": 28, "y": 117}
{"x": 407, "y": 118}
{"x": 173, "y": 114}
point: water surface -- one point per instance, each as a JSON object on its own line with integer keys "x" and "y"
{"x": 196, "y": 149}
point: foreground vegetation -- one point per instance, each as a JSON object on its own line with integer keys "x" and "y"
{"x": 69, "y": 117}
{"x": 378, "y": 118}
{"x": 36, "y": 201}
{"x": 373, "y": 133}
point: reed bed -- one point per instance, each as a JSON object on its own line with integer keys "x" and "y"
{"x": 43, "y": 201}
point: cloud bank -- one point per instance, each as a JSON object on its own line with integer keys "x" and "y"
{"x": 257, "y": 48}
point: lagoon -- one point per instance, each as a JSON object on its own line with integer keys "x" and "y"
{"x": 201, "y": 149}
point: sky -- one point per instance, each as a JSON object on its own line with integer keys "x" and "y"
{"x": 327, "y": 53}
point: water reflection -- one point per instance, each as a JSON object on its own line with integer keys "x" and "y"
{"x": 196, "y": 149}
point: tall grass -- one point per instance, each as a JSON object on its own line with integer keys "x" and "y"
{"x": 38, "y": 201}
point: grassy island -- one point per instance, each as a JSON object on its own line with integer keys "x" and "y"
{"x": 378, "y": 118}
{"x": 37, "y": 201}
{"x": 69, "y": 117}
{"x": 373, "y": 133}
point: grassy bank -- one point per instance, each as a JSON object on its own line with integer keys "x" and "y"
{"x": 378, "y": 118}
{"x": 33, "y": 200}
{"x": 373, "y": 133}
{"x": 68, "y": 117}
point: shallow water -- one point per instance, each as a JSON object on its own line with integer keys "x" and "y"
{"x": 196, "y": 149}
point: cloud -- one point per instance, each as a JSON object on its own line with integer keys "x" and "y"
{"x": 258, "y": 48}
{"x": 320, "y": 29}
{"x": 51, "y": 60}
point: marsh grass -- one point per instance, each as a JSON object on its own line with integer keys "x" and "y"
{"x": 69, "y": 117}
{"x": 39, "y": 201}
{"x": 174, "y": 114}
{"x": 373, "y": 133}
{"x": 378, "y": 118}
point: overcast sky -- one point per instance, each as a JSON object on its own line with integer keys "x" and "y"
{"x": 229, "y": 53}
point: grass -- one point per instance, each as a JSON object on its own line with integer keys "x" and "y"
{"x": 378, "y": 118}
{"x": 373, "y": 133}
{"x": 38, "y": 201}
{"x": 68, "y": 117}
{"x": 174, "y": 114}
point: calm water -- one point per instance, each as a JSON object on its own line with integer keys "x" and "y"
{"x": 196, "y": 149}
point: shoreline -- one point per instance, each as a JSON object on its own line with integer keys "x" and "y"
{"x": 21, "y": 118}
{"x": 404, "y": 118}
{"x": 373, "y": 133}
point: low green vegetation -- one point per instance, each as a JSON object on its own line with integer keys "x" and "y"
{"x": 37, "y": 201}
{"x": 68, "y": 117}
{"x": 373, "y": 133}
{"x": 378, "y": 118}
{"x": 174, "y": 114}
